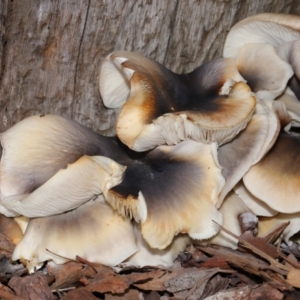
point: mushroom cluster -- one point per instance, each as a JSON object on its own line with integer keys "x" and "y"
{"x": 191, "y": 150}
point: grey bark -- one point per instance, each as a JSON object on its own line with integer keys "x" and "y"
{"x": 51, "y": 50}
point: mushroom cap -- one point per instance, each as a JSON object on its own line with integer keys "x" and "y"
{"x": 49, "y": 143}
{"x": 93, "y": 231}
{"x": 248, "y": 147}
{"x": 274, "y": 29}
{"x": 231, "y": 208}
{"x": 160, "y": 107}
{"x": 275, "y": 179}
{"x": 290, "y": 101}
{"x": 261, "y": 45}
{"x": 290, "y": 52}
{"x": 266, "y": 73}
{"x": 147, "y": 256}
{"x": 257, "y": 206}
{"x": 173, "y": 190}
{"x": 80, "y": 182}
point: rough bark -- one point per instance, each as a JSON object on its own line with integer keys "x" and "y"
{"x": 50, "y": 51}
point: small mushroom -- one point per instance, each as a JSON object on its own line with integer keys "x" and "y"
{"x": 161, "y": 107}
{"x": 253, "y": 41}
{"x": 93, "y": 231}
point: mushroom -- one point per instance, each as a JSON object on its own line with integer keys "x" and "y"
{"x": 276, "y": 176}
{"x": 290, "y": 52}
{"x": 257, "y": 206}
{"x": 161, "y": 107}
{"x": 80, "y": 182}
{"x": 172, "y": 190}
{"x": 290, "y": 101}
{"x": 231, "y": 209}
{"x": 163, "y": 181}
{"x": 253, "y": 41}
{"x": 49, "y": 143}
{"x": 93, "y": 231}
{"x": 248, "y": 147}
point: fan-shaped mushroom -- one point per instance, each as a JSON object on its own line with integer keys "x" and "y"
{"x": 275, "y": 178}
{"x": 248, "y": 147}
{"x": 252, "y": 43}
{"x": 231, "y": 210}
{"x": 181, "y": 182}
{"x": 161, "y": 107}
{"x": 93, "y": 231}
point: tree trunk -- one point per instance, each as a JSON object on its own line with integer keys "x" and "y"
{"x": 51, "y": 50}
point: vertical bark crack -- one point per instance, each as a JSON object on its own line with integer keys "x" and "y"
{"x": 172, "y": 23}
{"x": 78, "y": 56}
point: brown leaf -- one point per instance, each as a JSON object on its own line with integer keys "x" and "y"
{"x": 130, "y": 295}
{"x": 117, "y": 284}
{"x": 9, "y": 269}
{"x": 216, "y": 284}
{"x": 157, "y": 284}
{"x": 33, "y": 287}
{"x": 6, "y": 246}
{"x": 152, "y": 296}
{"x": 215, "y": 262}
{"x": 272, "y": 236}
{"x": 244, "y": 261}
{"x": 261, "y": 244}
{"x": 280, "y": 268}
{"x": 79, "y": 294}
{"x": 96, "y": 266}
{"x": 257, "y": 292}
{"x": 188, "y": 279}
{"x": 7, "y": 294}
{"x": 68, "y": 274}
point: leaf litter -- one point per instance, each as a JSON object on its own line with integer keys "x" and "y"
{"x": 256, "y": 270}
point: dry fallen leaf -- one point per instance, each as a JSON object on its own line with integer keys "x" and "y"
{"x": 33, "y": 287}
{"x": 263, "y": 291}
{"x": 68, "y": 274}
{"x": 9, "y": 269}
